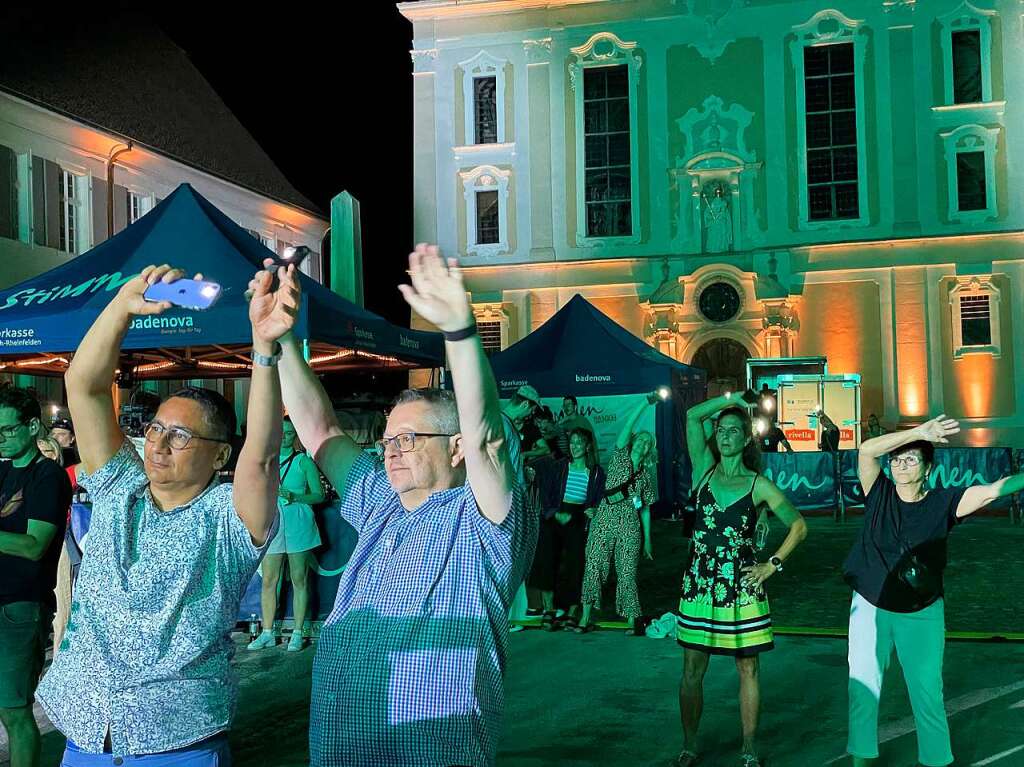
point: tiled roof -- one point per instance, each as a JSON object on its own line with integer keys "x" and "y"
{"x": 127, "y": 76}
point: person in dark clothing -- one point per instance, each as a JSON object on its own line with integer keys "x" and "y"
{"x": 774, "y": 437}
{"x": 541, "y": 437}
{"x": 569, "y": 486}
{"x": 895, "y": 570}
{"x": 829, "y": 442}
{"x": 34, "y": 497}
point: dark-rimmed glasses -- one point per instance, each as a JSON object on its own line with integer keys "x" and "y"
{"x": 405, "y": 442}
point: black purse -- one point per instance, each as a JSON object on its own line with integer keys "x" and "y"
{"x": 917, "y": 576}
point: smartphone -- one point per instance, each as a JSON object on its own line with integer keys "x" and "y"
{"x": 292, "y": 255}
{"x": 188, "y": 294}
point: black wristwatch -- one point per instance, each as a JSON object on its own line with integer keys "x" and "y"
{"x": 776, "y": 563}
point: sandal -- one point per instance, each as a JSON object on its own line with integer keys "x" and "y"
{"x": 548, "y": 623}
{"x": 750, "y": 760}
{"x": 584, "y": 629}
{"x": 686, "y": 758}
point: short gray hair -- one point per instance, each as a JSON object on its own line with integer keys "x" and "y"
{"x": 444, "y": 411}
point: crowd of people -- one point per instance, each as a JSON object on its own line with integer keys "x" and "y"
{"x": 463, "y": 502}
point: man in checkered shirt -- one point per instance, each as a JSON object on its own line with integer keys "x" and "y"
{"x": 409, "y": 665}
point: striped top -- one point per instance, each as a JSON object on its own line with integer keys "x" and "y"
{"x": 576, "y": 486}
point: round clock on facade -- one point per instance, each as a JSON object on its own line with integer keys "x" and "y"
{"x": 719, "y": 302}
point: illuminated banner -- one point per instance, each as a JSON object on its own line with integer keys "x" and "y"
{"x": 606, "y": 415}
{"x": 808, "y": 478}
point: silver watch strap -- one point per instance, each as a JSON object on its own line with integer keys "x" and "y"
{"x": 264, "y": 361}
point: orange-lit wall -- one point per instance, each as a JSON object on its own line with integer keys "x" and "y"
{"x": 840, "y": 321}
{"x": 979, "y": 385}
{"x": 911, "y": 314}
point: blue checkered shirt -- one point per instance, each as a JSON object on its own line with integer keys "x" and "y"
{"x": 147, "y": 650}
{"x": 409, "y": 666}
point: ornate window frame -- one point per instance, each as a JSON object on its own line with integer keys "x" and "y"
{"x": 486, "y": 178}
{"x": 975, "y": 286}
{"x": 964, "y": 18}
{"x": 483, "y": 64}
{"x": 823, "y": 28}
{"x": 971, "y": 138}
{"x": 493, "y": 312}
{"x": 602, "y": 50}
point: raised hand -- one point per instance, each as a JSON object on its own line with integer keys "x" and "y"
{"x": 437, "y": 292}
{"x": 938, "y": 429}
{"x": 130, "y": 296}
{"x": 273, "y": 314}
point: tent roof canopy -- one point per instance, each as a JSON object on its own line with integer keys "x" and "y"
{"x": 582, "y": 351}
{"x": 44, "y": 319}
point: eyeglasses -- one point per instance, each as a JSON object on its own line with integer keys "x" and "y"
{"x": 177, "y": 437}
{"x": 908, "y": 460}
{"x": 405, "y": 442}
{"x": 9, "y": 431}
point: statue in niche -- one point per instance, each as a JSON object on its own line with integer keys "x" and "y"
{"x": 717, "y": 219}
{"x": 712, "y": 135}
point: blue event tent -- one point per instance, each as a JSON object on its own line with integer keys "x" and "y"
{"x": 49, "y": 314}
{"x": 582, "y": 352}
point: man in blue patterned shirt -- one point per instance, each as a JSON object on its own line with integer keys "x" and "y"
{"x": 409, "y": 666}
{"x": 144, "y": 665}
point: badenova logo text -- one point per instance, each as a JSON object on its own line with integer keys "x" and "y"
{"x": 160, "y": 323}
{"x": 408, "y": 343}
{"x": 592, "y": 379}
{"x": 30, "y": 296}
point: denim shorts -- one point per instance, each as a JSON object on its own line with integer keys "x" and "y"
{"x": 24, "y": 627}
{"x": 212, "y": 752}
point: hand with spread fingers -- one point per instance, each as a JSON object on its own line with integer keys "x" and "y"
{"x": 437, "y": 292}
{"x": 939, "y": 429}
{"x": 130, "y": 297}
{"x": 273, "y": 313}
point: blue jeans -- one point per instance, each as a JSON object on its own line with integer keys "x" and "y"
{"x": 212, "y": 752}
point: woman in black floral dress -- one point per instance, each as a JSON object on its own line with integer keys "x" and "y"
{"x": 724, "y": 608}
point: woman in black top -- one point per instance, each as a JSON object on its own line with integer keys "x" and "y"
{"x": 570, "y": 487}
{"x": 895, "y": 569}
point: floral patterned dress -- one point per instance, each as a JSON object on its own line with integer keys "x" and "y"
{"x": 717, "y": 613}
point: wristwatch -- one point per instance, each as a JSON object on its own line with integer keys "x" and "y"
{"x": 263, "y": 360}
{"x": 776, "y": 563}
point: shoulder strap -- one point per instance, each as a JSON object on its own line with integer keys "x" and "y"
{"x": 288, "y": 464}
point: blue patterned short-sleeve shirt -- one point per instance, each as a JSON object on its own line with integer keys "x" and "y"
{"x": 147, "y": 649}
{"x": 410, "y": 662}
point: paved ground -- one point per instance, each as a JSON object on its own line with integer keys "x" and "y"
{"x": 608, "y": 699}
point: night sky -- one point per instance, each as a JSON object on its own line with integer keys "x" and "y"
{"x": 328, "y": 94}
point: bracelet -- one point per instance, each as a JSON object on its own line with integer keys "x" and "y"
{"x": 460, "y": 335}
{"x": 267, "y": 362}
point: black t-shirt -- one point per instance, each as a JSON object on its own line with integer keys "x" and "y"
{"x": 529, "y": 435}
{"x": 40, "y": 491}
{"x": 772, "y": 439}
{"x": 891, "y": 528}
{"x": 829, "y": 439}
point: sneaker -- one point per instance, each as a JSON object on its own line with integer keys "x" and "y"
{"x": 266, "y": 639}
{"x": 297, "y": 642}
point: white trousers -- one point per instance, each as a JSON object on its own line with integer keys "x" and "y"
{"x": 919, "y": 639}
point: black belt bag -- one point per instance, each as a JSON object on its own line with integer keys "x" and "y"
{"x": 917, "y": 576}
